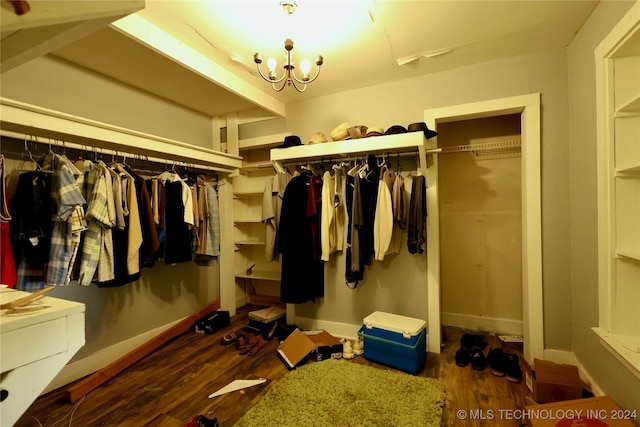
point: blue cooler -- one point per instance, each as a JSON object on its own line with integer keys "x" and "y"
{"x": 396, "y": 341}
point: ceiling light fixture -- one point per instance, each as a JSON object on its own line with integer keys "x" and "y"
{"x": 289, "y": 77}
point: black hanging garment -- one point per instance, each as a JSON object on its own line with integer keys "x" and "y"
{"x": 354, "y": 269}
{"x": 299, "y": 241}
{"x": 178, "y": 245}
{"x": 417, "y": 216}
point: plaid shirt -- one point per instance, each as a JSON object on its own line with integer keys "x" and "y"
{"x": 67, "y": 224}
{"x": 97, "y": 216}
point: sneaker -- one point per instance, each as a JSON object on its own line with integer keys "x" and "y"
{"x": 512, "y": 368}
{"x": 358, "y": 346}
{"x": 347, "y": 350}
{"x": 478, "y": 361}
{"x": 471, "y": 341}
{"x": 495, "y": 360}
{"x": 462, "y": 357}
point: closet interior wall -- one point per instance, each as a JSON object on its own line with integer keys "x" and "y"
{"x": 481, "y": 227}
{"x": 118, "y": 319}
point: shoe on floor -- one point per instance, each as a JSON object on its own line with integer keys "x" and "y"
{"x": 471, "y": 341}
{"x": 462, "y": 357}
{"x": 347, "y": 349}
{"x": 495, "y": 360}
{"x": 358, "y": 346}
{"x": 512, "y": 368}
{"x": 478, "y": 361}
{"x": 202, "y": 421}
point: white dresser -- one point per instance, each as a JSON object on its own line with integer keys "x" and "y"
{"x": 34, "y": 347}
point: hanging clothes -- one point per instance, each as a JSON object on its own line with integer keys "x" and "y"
{"x": 398, "y": 196}
{"x": 150, "y": 242}
{"x": 332, "y": 236}
{"x": 383, "y": 221}
{"x": 369, "y": 195}
{"x": 8, "y": 274}
{"x": 354, "y": 268}
{"x": 417, "y": 216}
{"x": 31, "y": 228}
{"x": 67, "y": 223}
{"x": 271, "y": 210}
{"x": 178, "y": 244}
{"x": 94, "y": 189}
{"x": 211, "y": 234}
{"x": 302, "y": 277}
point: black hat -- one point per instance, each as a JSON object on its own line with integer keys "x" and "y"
{"x": 395, "y": 129}
{"x": 291, "y": 141}
{"x": 422, "y": 126}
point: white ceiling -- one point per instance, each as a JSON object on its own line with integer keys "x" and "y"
{"x": 363, "y": 43}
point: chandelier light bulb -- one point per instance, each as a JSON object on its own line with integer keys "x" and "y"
{"x": 305, "y": 67}
{"x": 272, "y": 64}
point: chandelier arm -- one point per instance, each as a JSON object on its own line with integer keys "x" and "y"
{"x": 308, "y": 81}
{"x": 268, "y": 79}
{"x": 284, "y": 84}
{"x": 295, "y": 86}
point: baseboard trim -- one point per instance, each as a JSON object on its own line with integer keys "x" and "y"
{"x": 482, "y": 323}
{"x": 337, "y": 329}
{"x": 100, "y": 359}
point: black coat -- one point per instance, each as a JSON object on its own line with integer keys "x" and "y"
{"x": 299, "y": 241}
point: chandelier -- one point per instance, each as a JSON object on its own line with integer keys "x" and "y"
{"x": 289, "y": 78}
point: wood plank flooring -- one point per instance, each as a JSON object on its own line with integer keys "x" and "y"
{"x": 170, "y": 386}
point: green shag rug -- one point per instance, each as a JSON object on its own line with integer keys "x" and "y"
{"x": 342, "y": 393}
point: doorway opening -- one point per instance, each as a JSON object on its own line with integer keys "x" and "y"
{"x": 524, "y": 110}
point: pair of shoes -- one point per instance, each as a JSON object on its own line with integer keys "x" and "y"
{"x": 347, "y": 349}
{"x": 253, "y": 346}
{"x": 229, "y": 338}
{"x": 358, "y": 346}
{"x": 475, "y": 357}
{"x": 202, "y": 421}
{"x": 504, "y": 364}
{"x": 471, "y": 341}
{"x": 478, "y": 361}
{"x": 242, "y": 341}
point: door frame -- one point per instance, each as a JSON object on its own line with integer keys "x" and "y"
{"x": 528, "y": 106}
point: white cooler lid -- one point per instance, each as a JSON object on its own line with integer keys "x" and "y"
{"x": 395, "y": 323}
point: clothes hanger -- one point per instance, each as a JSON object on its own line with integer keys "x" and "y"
{"x": 27, "y": 156}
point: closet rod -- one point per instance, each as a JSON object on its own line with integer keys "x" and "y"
{"x": 339, "y": 159}
{"x": 111, "y": 152}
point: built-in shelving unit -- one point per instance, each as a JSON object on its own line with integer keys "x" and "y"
{"x": 619, "y": 191}
{"x": 257, "y": 279}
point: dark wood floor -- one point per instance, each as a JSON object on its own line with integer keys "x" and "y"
{"x": 171, "y": 386}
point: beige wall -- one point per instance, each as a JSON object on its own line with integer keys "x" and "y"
{"x": 396, "y": 285}
{"x": 481, "y": 228}
{"x": 59, "y": 85}
{"x": 606, "y": 370}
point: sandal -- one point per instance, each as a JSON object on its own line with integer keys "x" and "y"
{"x": 256, "y": 347}
{"x": 242, "y": 341}
{"x": 243, "y": 349}
{"x": 229, "y": 338}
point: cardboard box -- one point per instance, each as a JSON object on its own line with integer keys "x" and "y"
{"x": 590, "y": 412}
{"x": 315, "y": 345}
{"x": 552, "y": 382}
{"x": 267, "y": 315}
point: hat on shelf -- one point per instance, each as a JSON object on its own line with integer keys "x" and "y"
{"x": 422, "y": 126}
{"x": 374, "y": 131}
{"x": 291, "y": 141}
{"x": 339, "y": 133}
{"x": 395, "y": 129}
{"x": 317, "y": 138}
{"x": 357, "y": 132}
